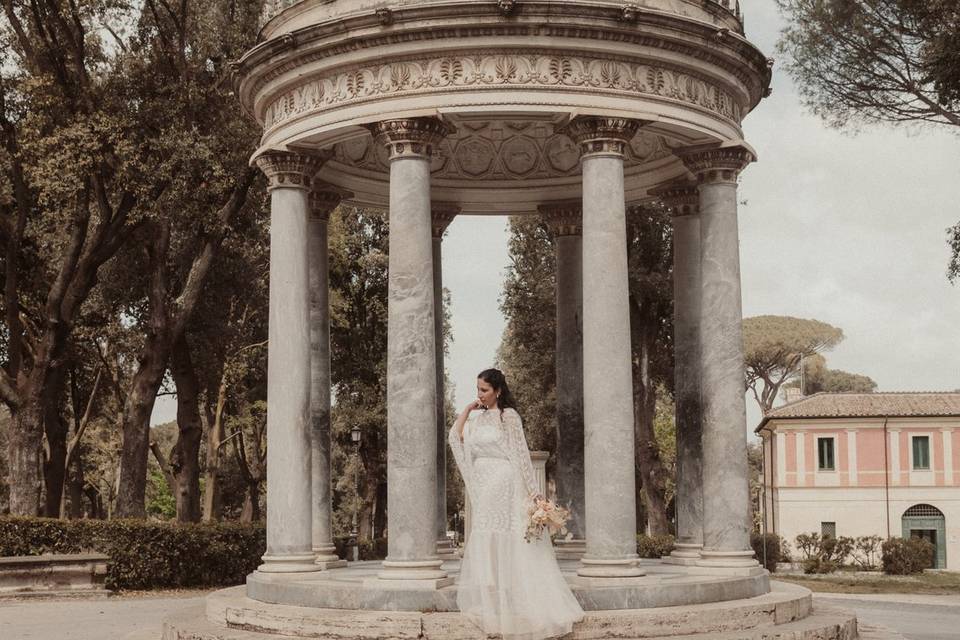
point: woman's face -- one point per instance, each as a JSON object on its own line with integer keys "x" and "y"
{"x": 486, "y": 394}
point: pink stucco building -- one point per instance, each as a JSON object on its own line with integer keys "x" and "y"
{"x": 854, "y": 464}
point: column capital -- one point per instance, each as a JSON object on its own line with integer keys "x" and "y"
{"x": 602, "y": 135}
{"x": 410, "y": 137}
{"x": 324, "y": 198}
{"x": 681, "y": 198}
{"x": 717, "y": 163}
{"x": 441, "y": 215}
{"x": 564, "y": 218}
{"x": 289, "y": 169}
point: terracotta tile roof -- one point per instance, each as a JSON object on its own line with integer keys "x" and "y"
{"x": 868, "y": 405}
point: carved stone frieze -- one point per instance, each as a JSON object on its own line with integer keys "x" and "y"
{"x": 504, "y": 70}
{"x": 563, "y": 218}
{"x": 410, "y": 137}
{"x": 501, "y": 150}
{"x": 289, "y": 169}
{"x": 602, "y": 135}
{"x": 441, "y": 215}
{"x": 717, "y": 164}
{"x": 681, "y": 198}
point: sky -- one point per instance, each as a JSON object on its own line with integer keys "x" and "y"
{"x": 850, "y": 230}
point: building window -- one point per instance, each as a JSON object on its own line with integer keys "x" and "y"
{"x": 828, "y": 529}
{"x": 825, "y": 454}
{"x": 921, "y": 453}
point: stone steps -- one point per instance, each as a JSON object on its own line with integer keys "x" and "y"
{"x": 784, "y": 614}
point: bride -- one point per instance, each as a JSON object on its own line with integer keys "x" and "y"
{"x": 507, "y": 586}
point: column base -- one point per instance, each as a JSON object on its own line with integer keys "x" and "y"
{"x": 446, "y": 550}
{"x": 739, "y": 563}
{"x": 325, "y": 557}
{"x": 415, "y": 572}
{"x": 610, "y": 568}
{"x": 684, "y": 554}
{"x": 288, "y": 563}
{"x": 572, "y": 549}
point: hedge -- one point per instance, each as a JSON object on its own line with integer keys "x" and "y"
{"x": 774, "y": 549}
{"x": 654, "y": 546}
{"x": 145, "y": 555}
{"x": 905, "y": 556}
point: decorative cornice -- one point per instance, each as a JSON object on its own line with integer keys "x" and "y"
{"x": 410, "y": 137}
{"x": 602, "y": 135}
{"x": 564, "y": 218}
{"x": 716, "y": 164}
{"x": 507, "y": 69}
{"x": 681, "y": 198}
{"x": 441, "y": 215}
{"x": 291, "y": 170}
{"x": 324, "y": 198}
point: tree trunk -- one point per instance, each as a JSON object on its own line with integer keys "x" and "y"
{"x": 24, "y": 457}
{"x": 369, "y": 481}
{"x": 185, "y": 459}
{"x": 215, "y": 433}
{"x": 55, "y": 429}
{"x": 251, "y": 502}
{"x": 650, "y": 469}
{"x": 131, "y": 493}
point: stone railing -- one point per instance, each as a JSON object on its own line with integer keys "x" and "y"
{"x": 274, "y": 7}
{"x": 53, "y": 575}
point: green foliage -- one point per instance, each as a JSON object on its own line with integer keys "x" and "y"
{"x": 817, "y": 378}
{"x": 902, "y": 556}
{"x": 773, "y": 346}
{"x": 953, "y": 239}
{"x": 145, "y": 555}
{"x": 768, "y": 549}
{"x": 875, "y": 61}
{"x": 823, "y": 554}
{"x": 866, "y": 552}
{"x": 654, "y": 546}
{"x": 527, "y": 352}
{"x": 160, "y": 502}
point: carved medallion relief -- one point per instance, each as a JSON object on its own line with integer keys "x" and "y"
{"x": 500, "y": 150}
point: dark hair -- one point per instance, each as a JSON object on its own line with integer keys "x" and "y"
{"x": 496, "y": 379}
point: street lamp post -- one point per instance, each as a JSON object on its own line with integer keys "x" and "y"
{"x": 355, "y": 434}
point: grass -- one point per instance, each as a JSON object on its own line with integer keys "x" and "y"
{"x": 930, "y": 583}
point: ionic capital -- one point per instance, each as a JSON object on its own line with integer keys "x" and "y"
{"x": 717, "y": 164}
{"x": 324, "y": 198}
{"x": 410, "y": 137}
{"x": 291, "y": 170}
{"x": 681, "y": 198}
{"x": 602, "y": 135}
{"x": 563, "y": 218}
{"x": 441, "y": 215}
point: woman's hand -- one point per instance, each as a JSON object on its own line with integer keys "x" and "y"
{"x": 473, "y": 406}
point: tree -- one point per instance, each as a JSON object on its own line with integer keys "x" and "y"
{"x": 877, "y": 61}
{"x": 649, "y": 251}
{"x": 773, "y": 347}
{"x": 817, "y": 378}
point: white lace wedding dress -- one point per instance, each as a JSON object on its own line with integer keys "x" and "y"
{"x": 507, "y": 586}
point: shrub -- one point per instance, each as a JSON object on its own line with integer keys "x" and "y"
{"x": 819, "y": 565}
{"x": 902, "y": 556}
{"x": 866, "y": 550}
{"x": 369, "y": 549}
{"x": 823, "y": 554}
{"x": 654, "y": 546}
{"x": 145, "y": 555}
{"x": 767, "y": 546}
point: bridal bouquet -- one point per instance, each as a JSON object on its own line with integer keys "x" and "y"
{"x": 544, "y": 514}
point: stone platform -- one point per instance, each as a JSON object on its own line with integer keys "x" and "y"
{"x": 349, "y": 604}
{"x": 356, "y": 587}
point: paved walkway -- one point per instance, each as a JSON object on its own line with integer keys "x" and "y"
{"x": 917, "y": 617}
{"x": 125, "y": 618}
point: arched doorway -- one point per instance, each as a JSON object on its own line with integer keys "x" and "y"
{"x": 927, "y": 522}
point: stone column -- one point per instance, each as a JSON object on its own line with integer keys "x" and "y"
{"x": 442, "y": 214}
{"x": 323, "y": 200}
{"x": 726, "y": 495}
{"x": 683, "y": 201}
{"x": 611, "y": 523}
{"x": 289, "y": 520}
{"x": 564, "y": 219}
{"x": 411, "y": 356}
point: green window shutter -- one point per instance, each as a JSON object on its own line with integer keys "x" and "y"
{"x": 825, "y": 454}
{"x": 921, "y": 452}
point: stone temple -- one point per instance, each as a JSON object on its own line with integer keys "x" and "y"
{"x": 572, "y": 110}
